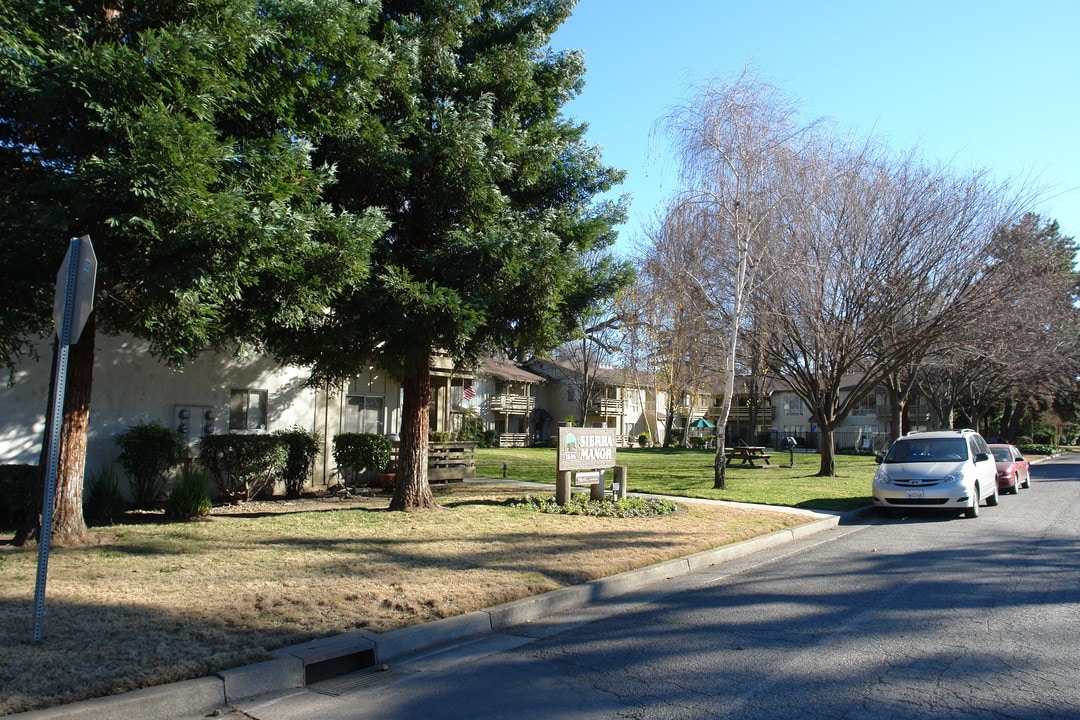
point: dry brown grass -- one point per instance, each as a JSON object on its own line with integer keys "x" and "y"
{"x": 157, "y": 602}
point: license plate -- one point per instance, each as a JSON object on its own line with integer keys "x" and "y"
{"x": 914, "y": 494}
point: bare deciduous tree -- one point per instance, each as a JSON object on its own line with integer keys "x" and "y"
{"x": 1019, "y": 345}
{"x": 672, "y": 341}
{"x": 895, "y": 251}
{"x": 736, "y": 142}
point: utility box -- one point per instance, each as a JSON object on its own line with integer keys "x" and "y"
{"x": 194, "y": 422}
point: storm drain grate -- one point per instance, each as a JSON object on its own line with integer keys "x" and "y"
{"x": 356, "y": 681}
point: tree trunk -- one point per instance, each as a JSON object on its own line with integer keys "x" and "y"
{"x": 669, "y": 421}
{"x": 1016, "y": 426}
{"x": 412, "y": 491}
{"x": 719, "y": 463}
{"x": 68, "y": 527}
{"x": 898, "y": 411}
{"x": 828, "y": 452}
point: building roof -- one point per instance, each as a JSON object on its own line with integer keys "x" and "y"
{"x": 506, "y": 370}
{"x": 562, "y": 370}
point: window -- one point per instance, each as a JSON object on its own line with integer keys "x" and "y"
{"x": 363, "y": 414}
{"x": 793, "y": 405}
{"x": 247, "y": 409}
{"x": 867, "y": 406}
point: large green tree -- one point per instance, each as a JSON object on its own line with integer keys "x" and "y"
{"x": 179, "y": 136}
{"x": 491, "y": 193}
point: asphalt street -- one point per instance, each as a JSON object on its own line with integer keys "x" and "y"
{"x": 920, "y": 616}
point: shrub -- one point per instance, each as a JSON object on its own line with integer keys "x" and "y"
{"x": 472, "y": 427}
{"x": 643, "y": 439}
{"x": 105, "y": 502}
{"x": 1034, "y": 449}
{"x": 357, "y": 452}
{"x": 697, "y": 442}
{"x": 582, "y": 504}
{"x": 243, "y": 466}
{"x": 491, "y": 437}
{"x": 147, "y": 453}
{"x": 303, "y": 448}
{"x": 16, "y": 492}
{"x": 189, "y": 496}
{"x": 440, "y": 436}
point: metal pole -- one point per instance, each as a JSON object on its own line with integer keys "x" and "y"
{"x": 62, "y": 351}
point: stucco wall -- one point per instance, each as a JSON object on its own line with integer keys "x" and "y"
{"x": 130, "y": 385}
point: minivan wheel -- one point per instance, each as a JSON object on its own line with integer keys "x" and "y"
{"x": 972, "y": 510}
{"x": 993, "y": 499}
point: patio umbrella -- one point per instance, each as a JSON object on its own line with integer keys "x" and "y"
{"x": 702, "y": 423}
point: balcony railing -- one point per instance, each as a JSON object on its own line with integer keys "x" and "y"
{"x": 693, "y": 412}
{"x": 914, "y": 410}
{"x": 742, "y": 413}
{"x": 513, "y": 440}
{"x": 607, "y": 407}
{"x": 513, "y": 404}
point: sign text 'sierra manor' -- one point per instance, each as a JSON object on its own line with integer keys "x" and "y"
{"x": 586, "y": 448}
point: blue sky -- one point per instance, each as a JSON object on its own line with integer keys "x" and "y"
{"x": 979, "y": 84}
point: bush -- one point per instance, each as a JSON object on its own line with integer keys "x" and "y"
{"x": 303, "y": 448}
{"x": 147, "y": 453}
{"x": 643, "y": 440}
{"x": 357, "y": 452}
{"x": 16, "y": 493}
{"x": 472, "y": 427}
{"x": 491, "y": 438}
{"x": 440, "y": 436}
{"x": 189, "y": 496}
{"x": 1033, "y": 449}
{"x": 243, "y": 466}
{"x": 105, "y": 502}
{"x": 583, "y": 504}
{"x": 697, "y": 442}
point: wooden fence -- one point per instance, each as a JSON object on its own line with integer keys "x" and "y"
{"x": 447, "y": 462}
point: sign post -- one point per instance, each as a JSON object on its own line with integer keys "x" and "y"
{"x": 71, "y": 309}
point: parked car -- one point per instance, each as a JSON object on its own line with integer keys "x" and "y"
{"x": 1013, "y": 471}
{"x": 945, "y": 470}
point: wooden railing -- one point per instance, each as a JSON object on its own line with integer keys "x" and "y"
{"x": 741, "y": 412}
{"x": 513, "y": 440}
{"x": 513, "y": 404}
{"x": 693, "y": 412}
{"x": 446, "y": 461}
{"x": 607, "y": 406}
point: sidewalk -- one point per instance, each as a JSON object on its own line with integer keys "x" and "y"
{"x": 317, "y": 661}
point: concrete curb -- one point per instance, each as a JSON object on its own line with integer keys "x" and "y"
{"x": 292, "y": 667}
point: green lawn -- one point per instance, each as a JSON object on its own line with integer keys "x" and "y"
{"x": 689, "y": 473}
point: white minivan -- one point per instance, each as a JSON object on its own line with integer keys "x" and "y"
{"x": 944, "y": 470}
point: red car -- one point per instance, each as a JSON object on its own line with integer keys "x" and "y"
{"x": 1013, "y": 471}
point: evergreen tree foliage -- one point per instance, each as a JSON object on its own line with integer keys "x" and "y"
{"x": 492, "y": 198}
{"x": 179, "y": 136}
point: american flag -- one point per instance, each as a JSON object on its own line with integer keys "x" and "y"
{"x": 467, "y": 392}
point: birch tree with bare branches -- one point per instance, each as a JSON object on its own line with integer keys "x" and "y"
{"x": 735, "y": 142}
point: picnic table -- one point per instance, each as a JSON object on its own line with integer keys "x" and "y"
{"x": 746, "y": 455}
